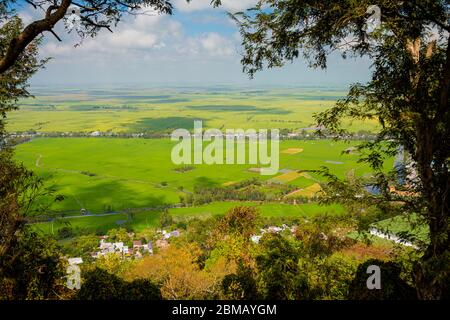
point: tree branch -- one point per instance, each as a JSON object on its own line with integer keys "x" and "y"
{"x": 19, "y": 43}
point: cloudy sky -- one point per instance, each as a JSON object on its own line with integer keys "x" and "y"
{"x": 198, "y": 45}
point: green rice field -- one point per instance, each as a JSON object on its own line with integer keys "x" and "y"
{"x": 109, "y": 174}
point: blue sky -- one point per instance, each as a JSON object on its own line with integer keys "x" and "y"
{"x": 198, "y": 45}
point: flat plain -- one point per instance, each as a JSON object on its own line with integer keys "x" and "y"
{"x": 112, "y": 174}
{"x": 107, "y": 177}
{"x": 162, "y": 110}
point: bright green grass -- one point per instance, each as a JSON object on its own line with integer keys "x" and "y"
{"x": 408, "y": 228}
{"x": 404, "y": 225}
{"x": 162, "y": 110}
{"x": 266, "y": 209}
{"x": 129, "y": 173}
{"x": 89, "y": 224}
{"x": 150, "y": 219}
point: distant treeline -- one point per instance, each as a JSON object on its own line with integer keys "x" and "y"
{"x": 285, "y": 134}
{"x": 247, "y": 190}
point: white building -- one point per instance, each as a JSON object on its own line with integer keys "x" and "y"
{"x": 74, "y": 261}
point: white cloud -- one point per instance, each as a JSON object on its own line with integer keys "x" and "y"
{"x": 208, "y": 45}
{"x": 142, "y": 41}
{"x": 142, "y": 32}
{"x": 229, "y": 5}
{"x": 216, "y": 44}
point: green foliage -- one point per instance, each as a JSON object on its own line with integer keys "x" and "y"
{"x": 83, "y": 245}
{"x": 65, "y": 232}
{"x": 329, "y": 277}
{"x": 165, "y": 219}
{"x": 119, "y": 235}
{"x": 14, "y": 82}
{"x": 112, "y": 263}
{"x": 142, "y": 289}
{"x": 279, "y": 276}
{"x": 317, "y": 237}
{"x": 392, "y": 286}
{"x": 31, "y": 268}
{"x": 240, "y": 285}
{"x": 240, "y": 221}
{"x": 408, "y": 94}
{"x": 98, "y": 284}
{"x": 30, "y": 265}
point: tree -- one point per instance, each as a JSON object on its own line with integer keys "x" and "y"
{"x": 166, "y": 219}
{"x": 31, "y": 268}
{"x": 392, "y": 286}
{"x": 240, "y": 221}
{"x": 98, "y": 284}
{"x": 240, "y": 285}
{"x": 119, "y": 235}
{"x": 408, "y": 95}
{"x": 14, "y": 81}
{"x": 279, "y": 276}
{"x": 94, "y": 15}
{"x": 178, "y": 273}
{"x": 84, "y": 245}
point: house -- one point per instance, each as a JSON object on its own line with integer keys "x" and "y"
{"x": 118, "y": 246}
{"x": 162, "y": 244}
{"x": 125, "y": 250}
{"x": 168, "y": 235}
{"x": 96, "y": 134}
{"x": 255, "y": 239}
{"x": 137, "y": 244}
{"x": 274, "y": 229}
{"x": 148, "y": 247}
{"x": 105, "y": 245}
{"x": 74, "y": 261}
{"x": 175, "y": 233}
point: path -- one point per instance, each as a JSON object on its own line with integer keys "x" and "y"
{"x": 37, "y": 160}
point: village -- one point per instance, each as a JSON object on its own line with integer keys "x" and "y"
{"x": 138, "y": 248}
{"x": 136, "y": 251}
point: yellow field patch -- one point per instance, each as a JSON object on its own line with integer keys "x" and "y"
{"x": 310, "y": 191}
{"x": 292, "y": 150}
{"x": 228, "y": 183}
{"x": 288, "y": 176}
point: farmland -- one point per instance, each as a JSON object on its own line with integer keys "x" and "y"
{"x": 111, "y": 177}
{"x": 106, "y": 174}
{"x": 142, "y": 220}
{"x": 162, "y": 110}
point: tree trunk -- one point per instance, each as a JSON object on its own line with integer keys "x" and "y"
{"x": 432, "y": 273}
